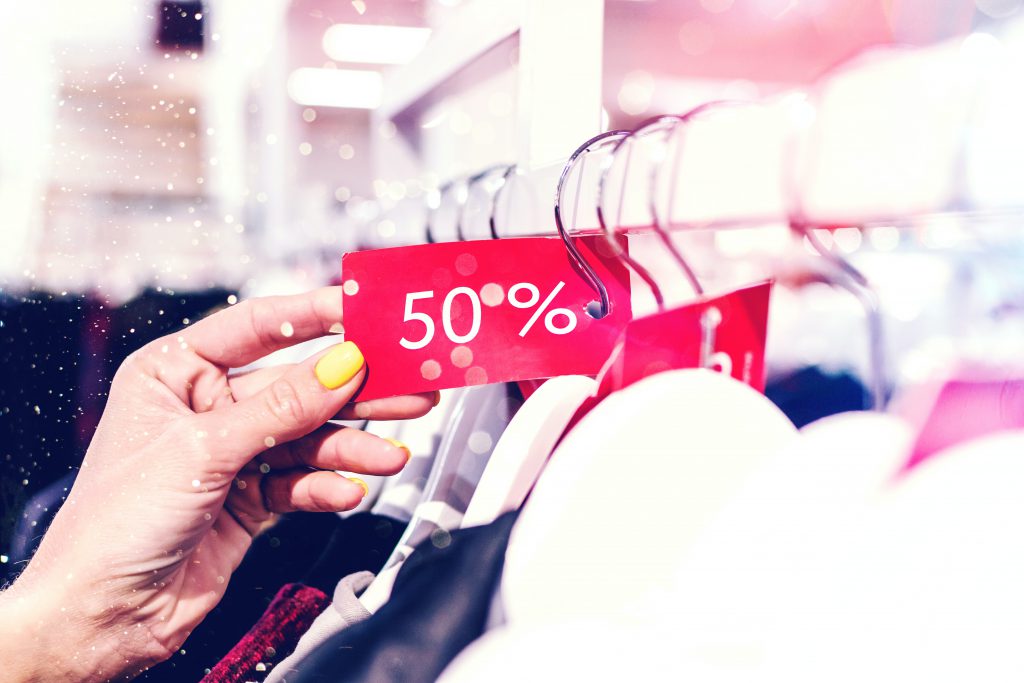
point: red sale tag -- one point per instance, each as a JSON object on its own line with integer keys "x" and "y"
{"x": 438, "y": 316}
{"x": 725, "y": 333}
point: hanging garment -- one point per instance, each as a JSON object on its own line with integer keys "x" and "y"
{"x": 439, "y": 605}
{"x": 344, "y": 611}
{"x": 285, "y": 553}
{"x": 631, "y": 487}
{"x": 397, "y": 504}
{"x": 359, "y": 543}
{"x": 55, "y": 385}
{"x": 734, "y": 590}
{"x": 290, "y": 614}
{"x": 810, "y": 393}
{"x": 40, "y": 339}
{"x": 480, "y": 417}
{"x": 524, "y": 447}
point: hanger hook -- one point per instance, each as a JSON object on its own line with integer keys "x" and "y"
{"x": 471, "y": 182}
{"x": 847, "y": 277}
{"x": 511, "y": 170}
{"x": 585, "y": 269}
{"x": 461, "y": 188}
{"x": 851, "y": 279}
{"x": 659, "y": 225}
{"x": 609, "y": 233}
{"x": 668, "y": 123}
{"x": 440, "y": 194}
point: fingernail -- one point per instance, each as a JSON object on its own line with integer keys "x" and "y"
{"x": 398, "y": 444}
{"x": 362, "y": 484}
{"x": 437, "y": 398}
{"x": 339, "y": 365}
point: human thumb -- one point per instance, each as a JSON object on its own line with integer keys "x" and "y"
{"x": 293, "y": 405}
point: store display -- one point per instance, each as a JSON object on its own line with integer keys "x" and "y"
{"x": 722, "y": 305}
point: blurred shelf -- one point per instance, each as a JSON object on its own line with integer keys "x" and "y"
{"x": 468, "y": 32}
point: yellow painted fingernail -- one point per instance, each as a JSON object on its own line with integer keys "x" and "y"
{"x": 398, "y": 444}
{"x": 362, "y": 484}
{"x": 339, "y": 365}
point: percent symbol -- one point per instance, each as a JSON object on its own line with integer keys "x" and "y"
{"x": 549, "y": 319}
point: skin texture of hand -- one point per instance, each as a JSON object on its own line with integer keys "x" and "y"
{"x": 186, "y": 465}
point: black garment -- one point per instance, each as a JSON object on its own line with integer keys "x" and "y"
{"x": 439, "y": 605}
{"x": 810, "y": 394}
{"x": 40, "y": 337}
{"x": 316, "y": 549}
{"x": 58, "y": 354}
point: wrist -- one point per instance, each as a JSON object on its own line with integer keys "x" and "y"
{"x": 46, "y": 635}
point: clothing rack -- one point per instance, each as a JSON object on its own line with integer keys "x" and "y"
{"x": 788, "y": 160}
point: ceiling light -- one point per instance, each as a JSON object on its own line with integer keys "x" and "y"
{"x": 374, "y": 44}
{"x": 342, "y": 88}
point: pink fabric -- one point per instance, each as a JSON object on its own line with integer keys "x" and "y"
{"x": 964, "y": 409}
{"x": 273, "y": 637}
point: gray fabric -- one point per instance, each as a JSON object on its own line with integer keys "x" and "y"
{"x": 342, "y": 613}
{"x": 346, "y": 597}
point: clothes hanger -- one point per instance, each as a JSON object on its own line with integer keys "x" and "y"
{"x": 840, "y": 272}
{"x": 499, "y": 191}
{"x": 478, "y": 419}
{"x": 401, "y": 493}
{"x": 444, "y": 211}
{"x": 663, "y": 340}
{"x": 455, "y": 455}
{"x": 702, "y": 432}
{"x": 484, "y": 186}
{"x": 667, "y": 124}
{"x": 524, "y": 447}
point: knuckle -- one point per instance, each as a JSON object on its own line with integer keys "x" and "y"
{"x": 319, "y": 501}
{"x": 284, "y": 401}
{"x": 256, "y": 312}
{"x": 134, "y": 361}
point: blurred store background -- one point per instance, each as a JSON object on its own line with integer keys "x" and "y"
{"x": 162, "y": 158}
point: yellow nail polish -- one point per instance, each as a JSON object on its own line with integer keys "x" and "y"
{"x": 362, "y": 484}
{"x": 339, "y": 365}
{"x": 398, "y": 444}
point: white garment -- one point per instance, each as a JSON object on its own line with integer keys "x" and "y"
{"x": 865, "y": 575}
{"x": 776, "y": 541}
{"x": 629, "y": 489}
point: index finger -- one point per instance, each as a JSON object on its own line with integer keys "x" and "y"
{"x": 251, "y": 329}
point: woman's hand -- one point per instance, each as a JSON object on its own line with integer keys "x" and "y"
{"x": 186, "y": 465}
